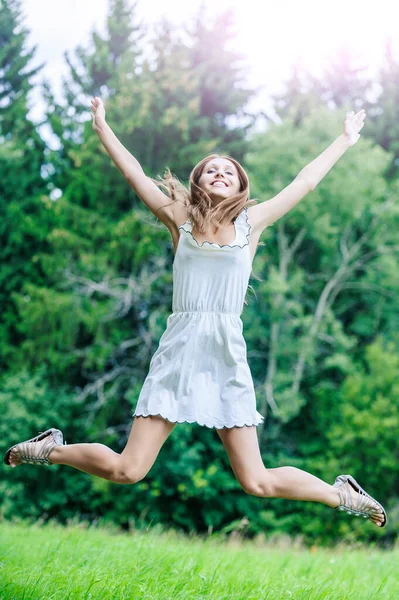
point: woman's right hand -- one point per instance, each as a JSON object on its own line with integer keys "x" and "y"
{"x": 97, "y": 113}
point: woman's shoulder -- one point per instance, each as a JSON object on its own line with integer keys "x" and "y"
{"x": 180, "y": 213}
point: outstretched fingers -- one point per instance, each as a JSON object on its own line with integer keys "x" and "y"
{"x": 359, "y": 118}
{"x": 353, "y": 124}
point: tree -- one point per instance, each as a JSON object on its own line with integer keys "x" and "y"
{"x": 327, "y": 265}
{"x": 24, "y": 204}
{"x": 298, "y": 99}
{"x": 384, "y": 110}
{"x": 343, "y": 82}
{"x": 219, "y": 69}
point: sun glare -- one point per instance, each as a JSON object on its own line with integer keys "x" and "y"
{"x": 276, "y": 35}
{"x": 273, "y": 35}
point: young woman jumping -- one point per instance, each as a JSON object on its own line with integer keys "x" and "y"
{"x": 199, "y": 373}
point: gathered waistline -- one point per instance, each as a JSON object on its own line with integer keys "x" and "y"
{"x": 207, "y": 312}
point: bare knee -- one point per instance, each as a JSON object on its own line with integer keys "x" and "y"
{"x": 258, "y": 485}
{"x": 129, "y": 474}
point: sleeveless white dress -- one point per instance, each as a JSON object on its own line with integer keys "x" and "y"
{"x": 199, "y": 373}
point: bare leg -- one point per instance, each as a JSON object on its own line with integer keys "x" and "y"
{"x": 146, "y": 438}
{"x": 282, "y": 482}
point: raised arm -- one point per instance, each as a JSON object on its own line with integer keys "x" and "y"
{"x": 266, "y": 213}
{"x": 130, "y": 168}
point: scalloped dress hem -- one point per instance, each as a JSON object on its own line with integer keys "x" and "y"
{"x": 208, "y": 425}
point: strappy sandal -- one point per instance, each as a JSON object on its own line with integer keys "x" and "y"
{"x": 362, "y": 506}
{"x": 26, "y": 453}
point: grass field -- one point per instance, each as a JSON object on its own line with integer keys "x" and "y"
{"x": 81, "y": 562}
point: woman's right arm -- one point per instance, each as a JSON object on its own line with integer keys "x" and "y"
{"x": 130, "y": 168}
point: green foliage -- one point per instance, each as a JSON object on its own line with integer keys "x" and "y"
{"x": 340, "y": 239}
{"x": 86, "y": 282}
{"x": 29, "y": 404}
{"x": 364, "y": 432}
{"x": 24, "y": 216}
{"x": 359, "y": 423}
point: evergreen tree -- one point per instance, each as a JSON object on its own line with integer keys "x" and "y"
{"x": 343, "y": 83}
{"x": 298, "y": 99}
{"x": 220, "y": 72}
{"x": 24, "y": 215}
{"x": 59, "y": 325}
{"x": 384, "y": 110}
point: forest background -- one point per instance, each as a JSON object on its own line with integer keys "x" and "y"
{"x": 86, "y": 277}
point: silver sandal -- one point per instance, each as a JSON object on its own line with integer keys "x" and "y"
{"x": 363, "y": 506}
{"x": 24, "y": 450}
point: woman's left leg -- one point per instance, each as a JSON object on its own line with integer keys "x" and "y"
{"x": 242, "y": 447}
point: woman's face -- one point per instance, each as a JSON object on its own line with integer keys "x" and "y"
{"x": 219, "y": 179}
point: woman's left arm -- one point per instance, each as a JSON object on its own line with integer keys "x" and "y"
{"x": 266, "y": 213}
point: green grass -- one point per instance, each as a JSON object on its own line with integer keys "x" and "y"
{"x": 81, "y": 562}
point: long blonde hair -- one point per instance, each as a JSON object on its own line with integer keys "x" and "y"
{"x": 199, "y": 204}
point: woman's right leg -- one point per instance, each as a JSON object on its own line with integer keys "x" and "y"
{"x": 146, "y": 438}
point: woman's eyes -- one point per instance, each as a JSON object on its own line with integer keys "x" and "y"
{"x": 228, "y": 172}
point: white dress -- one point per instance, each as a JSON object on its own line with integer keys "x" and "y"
{"x": 199, "y": 373}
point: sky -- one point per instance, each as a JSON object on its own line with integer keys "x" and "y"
{"x": 271, "y": 34}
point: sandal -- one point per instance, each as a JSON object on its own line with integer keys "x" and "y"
{"x": 24, "y": 450}
{"x": 364, "y": 506}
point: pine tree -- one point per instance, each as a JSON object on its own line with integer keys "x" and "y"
{"x": 220, "y": 72}
{"x": 341, "y": 85}
{"x": 384, "y": 110}
{"x": 24, "y": 218}
{"x": 298, "y": 99}
{"x": 344, "y": 83}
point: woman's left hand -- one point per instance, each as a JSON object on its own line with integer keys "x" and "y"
{"x": 352, "y": 126}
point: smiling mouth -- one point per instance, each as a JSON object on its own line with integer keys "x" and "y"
{"x": 219, "y": 184}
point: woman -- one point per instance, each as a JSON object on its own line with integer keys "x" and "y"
{"x": 199, "y": 372}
